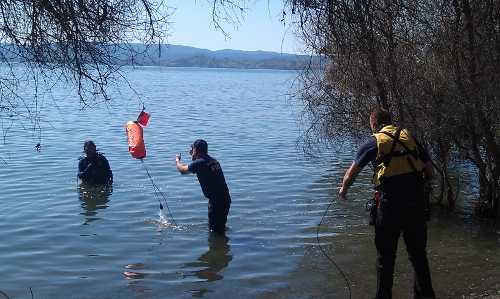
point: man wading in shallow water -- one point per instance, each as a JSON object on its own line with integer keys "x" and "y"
{"x": 400, "y": 166}
{"x": 94, "y": 168}
{"x": 212, "y": 182}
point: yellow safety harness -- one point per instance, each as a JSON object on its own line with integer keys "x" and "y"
{"x": 397, "y": 154}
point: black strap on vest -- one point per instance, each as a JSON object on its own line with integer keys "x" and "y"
{"x": 386, "y": 159}
{"x": 411, "y": 152}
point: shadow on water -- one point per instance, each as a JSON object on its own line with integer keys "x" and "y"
{"x": 92, "y": 199}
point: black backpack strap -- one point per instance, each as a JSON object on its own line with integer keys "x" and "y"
{"x": 411, "y": 152}
{"x": 386, "y": 159}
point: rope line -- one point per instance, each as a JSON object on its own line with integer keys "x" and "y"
{"x": 158, "y": 193}
{"x": 4, "y": 294}
{"x": 327, "y": 256}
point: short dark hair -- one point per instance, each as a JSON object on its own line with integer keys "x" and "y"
{"x": 200, "y": 145}
{"x": 88, "y": 143}
{"x": 381, "y": 116}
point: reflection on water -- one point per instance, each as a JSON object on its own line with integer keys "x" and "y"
{"x": 130, "y": 274}
{"x": 214, "y": 260}
{"x": 208, "y": 268}
{"x": 92, "y": 199}
{"x": 211, "y": 263}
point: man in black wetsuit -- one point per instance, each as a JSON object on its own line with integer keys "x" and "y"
{"x": 212, "y": 182}
{"x": 94, "y": 168}
{"x": 400, "y": 166}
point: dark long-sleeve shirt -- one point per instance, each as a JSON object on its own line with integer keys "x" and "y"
{"x": 95, "y": 171}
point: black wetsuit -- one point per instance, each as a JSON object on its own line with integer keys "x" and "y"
{"x": 214, "y": 187}
{"x": 95, "y": 171}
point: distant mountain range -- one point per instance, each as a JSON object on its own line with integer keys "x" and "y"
{"x": 184, "y": 56}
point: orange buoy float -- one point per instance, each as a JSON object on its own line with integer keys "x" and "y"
{"x": 137, "y": 149}
{"x": 135, "y": 139}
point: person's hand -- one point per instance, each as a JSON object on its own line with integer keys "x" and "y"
{"x": 342, "y": 192}
{"x": 177, "y": 158}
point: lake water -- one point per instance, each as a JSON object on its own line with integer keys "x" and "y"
{"x": 62, "y": 241}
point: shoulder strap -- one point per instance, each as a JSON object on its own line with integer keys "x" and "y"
{"x": 386, "y": 159}
{"x": 411, "y": 152}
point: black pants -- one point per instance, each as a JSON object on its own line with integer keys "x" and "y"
{"x": 402, "y": 213}
{"x": 218, "y": 208}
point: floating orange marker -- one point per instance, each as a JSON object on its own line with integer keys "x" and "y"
{"x": 135, "y": 139}
{"x": 137, "y": 149}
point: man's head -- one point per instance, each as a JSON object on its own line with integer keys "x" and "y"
{"x": 89, "y": 148}
{"x": 379, "y": 118}
{"x": 198, "y": 149}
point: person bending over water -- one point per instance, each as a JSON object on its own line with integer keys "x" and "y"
{"x": 93, "y": 169}
{"x": 212, "y": 182}
{"x": 401, "y": 168}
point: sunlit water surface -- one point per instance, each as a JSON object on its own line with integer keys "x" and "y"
{"x": 60, "y": 240}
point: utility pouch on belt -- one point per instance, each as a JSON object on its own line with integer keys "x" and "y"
{"x": 372, "y": 206}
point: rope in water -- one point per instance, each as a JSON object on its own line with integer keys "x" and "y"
{"x": 158, "y": 193}
{"x": 327, "y": 256}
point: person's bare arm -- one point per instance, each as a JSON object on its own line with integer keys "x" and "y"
{"x": 349, "y": 177}
{"x": 183, "y": 168}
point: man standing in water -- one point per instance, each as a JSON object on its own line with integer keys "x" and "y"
{"x": 212, "y": 182}
{"x": 94, "y": 168}
{"x": 400, "y": 166}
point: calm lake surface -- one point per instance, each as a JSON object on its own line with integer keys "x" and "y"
{"x": 63, "y": 241}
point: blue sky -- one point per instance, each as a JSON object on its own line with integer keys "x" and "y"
{"x": 260, "y": 28}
